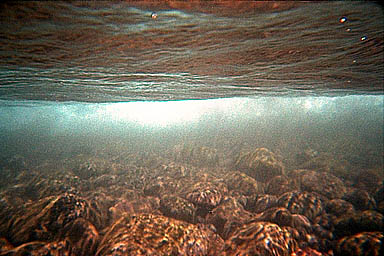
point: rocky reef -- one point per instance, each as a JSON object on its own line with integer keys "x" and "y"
{"x": 190, "y": 201}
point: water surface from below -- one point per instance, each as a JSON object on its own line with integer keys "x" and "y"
{"x": 116, "y": 52}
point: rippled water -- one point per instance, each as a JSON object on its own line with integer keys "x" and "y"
{"x": 104, "y": 52}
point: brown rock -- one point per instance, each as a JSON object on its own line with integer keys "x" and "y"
{"x": 243, "y": 183}
{"x": 82, "y": 236}
{"x": 339, "y": 207}
{"x": 179, "y": 208}
{"x": 305, "y": 203}
{"x": 229, "y": 215}
{"x": 322, "y": 183}
{"x": 260, "y": 203}
{"x": 134, "y": 206}
{"x": 369, "y": 180}
{"x": 206, "y": 194}
{"x": 260, "y": 238}
{"x": 360, "y": 199}
{"x": 38, "y": 248}
{"x": 279, "y": 185}
{"x": 148, "y": 234}
{"x": 366, "y": 221}
{"x": 49, "y": 216}
{"x": 5, "y": 245}
{"x": 365, "y": 243}
{"x": 260, "y": 164}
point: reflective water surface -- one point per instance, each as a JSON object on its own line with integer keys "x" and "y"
{"x": 116, "y": 51}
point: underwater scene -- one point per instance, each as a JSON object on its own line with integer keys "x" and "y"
{"x": 191, "y": 128}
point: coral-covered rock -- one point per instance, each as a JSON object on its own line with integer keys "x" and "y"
{"x": 379, "y": 197}
{"x": 283, "y": 217}
{"x": 32, "y": 185}
{"x": 179, "y": 208}
{"x": 104, "y": 180}
{"x": 176, "y": 170}
{"x": 134, "y": 206}
{"x": 162, "y": 185}
{"x": 45, "y": 220}
{"x": 322, "y": 239}
{"x": 16, "y": 164}
{"x": 369, "y": 179}
{"x": 365, "y": 243}
{"x": 279, "y": 185}
{"x": 360, "y": 199}
{"x": 91, "y": 168}
{"x": 260, "y": 238}
{"x": 239, "y": 197}
{"x": 100, "y": 203}
{"x": 322, "y": 183}
{"x": 305, "y": 203}
{"x": 366, "y": 221}
{"x": 278, "y": 215}
{"x": 306, "y": 156}
{"x": 55, "y": 185}
{"x": 6, "y": 213}
{"x": 196, "y": 155}
{"x": 206, "y": 194}
{"x": 260, "y": 203}
{"x": 148, "y": 234}
{"x": 307, "y": 251}
{"x": 38, "y": 248}
{"x": 5, "y": 245}
{"x": 216, "y": 243}
{"x": 260, "y": 164}
{"x": 229, "y": 215}
{"x": 379, "y": 193}
{"x": 243, "y": 183}
{"x": 82, "y": 236}
{"x": 339, "y": 207}
{"x": 324, "y": 162}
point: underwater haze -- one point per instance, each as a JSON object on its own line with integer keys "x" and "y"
{"x": 351, "y": 124}
{"x": 191, "y": 128}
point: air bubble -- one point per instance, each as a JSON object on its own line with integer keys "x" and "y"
{"x": 343, "y": 19}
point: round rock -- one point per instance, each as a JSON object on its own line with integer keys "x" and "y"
{"x": 260, "y": 164}
{"x": 260, "y": 238}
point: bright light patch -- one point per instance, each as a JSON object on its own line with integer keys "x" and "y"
{"x": 315, "y": 104}
{"x": 167, "y": 113}
{"x": 155, "y": 113}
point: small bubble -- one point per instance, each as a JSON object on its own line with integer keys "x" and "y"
{"x": 363, "y": 38}
{"x": 343, "y": 19}
{"x": 348, "y": 30}
{"x": 154, "y": 15}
